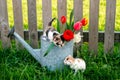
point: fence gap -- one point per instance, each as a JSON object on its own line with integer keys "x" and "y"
{"x": 78, "y": 14}
{"x": 46, "y": 12}
{"x": 4, "y": 25}
{"x": 18, "y": 19}
{"x": 110, "y": 24}
{"x": 62, "y": 11}
{"x": 32, "y": 21}
{"x": 93, "y": 26}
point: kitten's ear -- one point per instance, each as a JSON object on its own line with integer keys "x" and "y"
{"x": 54, "y": 34}
{"x": 69, "y": 56}
{"x": 50, "y": 23}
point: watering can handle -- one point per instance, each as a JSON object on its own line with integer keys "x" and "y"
{"x": 11, "y": 32}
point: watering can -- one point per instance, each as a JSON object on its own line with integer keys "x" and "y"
{"x": 54, "y": 60}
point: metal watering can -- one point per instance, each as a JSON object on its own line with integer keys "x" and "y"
{"x": 54, "y": 60}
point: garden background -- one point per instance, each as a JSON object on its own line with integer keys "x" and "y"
{"x": 20, "y": 65}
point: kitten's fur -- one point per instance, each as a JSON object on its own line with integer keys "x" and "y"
{"x": 75, "y": 63}
{"x": 52, "y": 35}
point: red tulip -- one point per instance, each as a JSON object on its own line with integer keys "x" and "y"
{"x": 68, "y": 35}
{"x": 77, "y": 26}
{"x": 84, "y": 21}
{"x": 63, "y": 19}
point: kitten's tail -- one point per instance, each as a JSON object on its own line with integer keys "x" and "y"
{"x": 50, "y": 23}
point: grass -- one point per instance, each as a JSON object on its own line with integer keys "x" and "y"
{"x": 102, "y": 12}
{"x": 20, "y": 65}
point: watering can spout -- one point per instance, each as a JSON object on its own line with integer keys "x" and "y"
{"x": 20, "y": 39}
{"x": 25, "y": 44}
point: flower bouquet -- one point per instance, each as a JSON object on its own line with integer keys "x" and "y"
{"x": 73, "y": 32}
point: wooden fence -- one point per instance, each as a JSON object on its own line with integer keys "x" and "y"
{"x": 93, "y": 35}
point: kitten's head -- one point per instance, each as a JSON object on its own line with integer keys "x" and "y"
{"x": 69, "y": 60}
{"x": 57, "y": 40}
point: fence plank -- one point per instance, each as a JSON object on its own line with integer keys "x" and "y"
{"x": 93, "y": 25}
{"x": 4, "y": 26}
{"x": 46, "y": 12}
{"x": 110, "y": 24}
{"x": 78, "y": 14}
{"x": 32, "y": 22}
{"x": 78, "y": 10}
{"x": 62, "y": 10}
{"x": 18, "y": 19}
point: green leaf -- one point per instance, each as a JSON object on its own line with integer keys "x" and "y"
{"x": 67, "y": 26}
{"x": 58, "y": 26}
{"x": 49, "y": 48}
{"x": 71, "y": 26}
{"x": 71, "y": 17}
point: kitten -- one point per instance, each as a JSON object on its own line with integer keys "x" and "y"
{"x": 75, "y": 63}
{"x": 50, "y": 34}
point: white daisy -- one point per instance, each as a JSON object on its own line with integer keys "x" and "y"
{"x": 77, "y": 37}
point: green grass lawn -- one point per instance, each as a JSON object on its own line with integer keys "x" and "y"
{"x": 20, "y": 65}
{"x": 102, "y": 11}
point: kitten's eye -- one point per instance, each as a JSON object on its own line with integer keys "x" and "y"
{"x": 67, "y": 58}
{"x": 57, "y": 39}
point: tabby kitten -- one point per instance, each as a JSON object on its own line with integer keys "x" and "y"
{"x": 50, "y": 34}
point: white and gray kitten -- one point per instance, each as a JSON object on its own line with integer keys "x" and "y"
{"x": 75, "y": 63}
{"x": 52, "y": 35}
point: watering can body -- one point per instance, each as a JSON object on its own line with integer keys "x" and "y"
{"x": 54, "y": 60}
